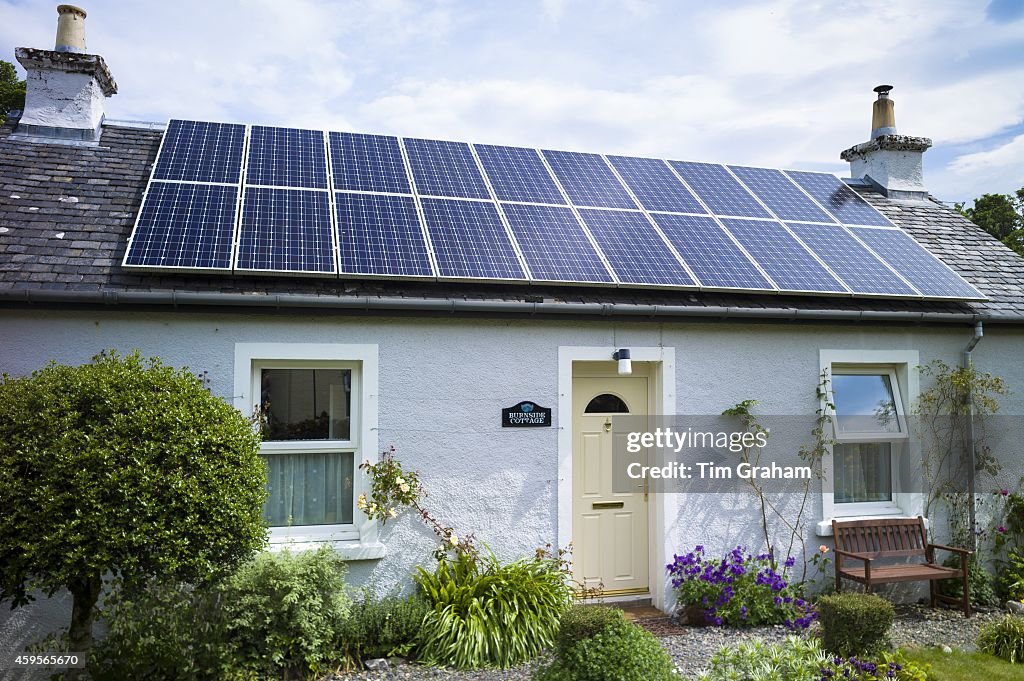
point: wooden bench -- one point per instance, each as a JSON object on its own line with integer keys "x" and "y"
{"x": 866, "y": 540}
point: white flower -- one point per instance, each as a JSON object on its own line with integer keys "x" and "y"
{"x": 404, "y": 487}
{"x": 453, "y": 539}
{"x": 393, "y": 512}
{"x": 399, "y": 480}
{"x": 372, "y": 510}
{"x": 362, "y": 502}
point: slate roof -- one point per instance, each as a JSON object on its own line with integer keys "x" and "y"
{"x": 66, "y": 213}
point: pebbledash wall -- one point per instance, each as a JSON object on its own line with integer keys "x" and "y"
{"x": 443, "y": 383}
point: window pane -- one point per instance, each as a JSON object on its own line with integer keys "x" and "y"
{"x": 606, "y": 404}
{"x": 863, "y": 472}
{"x": 864, "y": 403}
{"x": 309, "y": 489}
{"x": 306, "y": 404}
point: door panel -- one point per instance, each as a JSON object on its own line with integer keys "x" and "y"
{"x": 610, "y": 544}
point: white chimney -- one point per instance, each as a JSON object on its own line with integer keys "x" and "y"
{"x": 67, "y": 88}
{"x": 890, "y": 162}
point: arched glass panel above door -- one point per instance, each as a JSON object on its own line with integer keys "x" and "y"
{"x": 606, "y": 404}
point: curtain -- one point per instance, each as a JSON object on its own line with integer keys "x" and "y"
{"x": 309, "y": 489}
{"x": 863, "y": 472}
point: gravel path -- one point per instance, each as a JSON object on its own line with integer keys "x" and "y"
{"x": 692, "y": 647}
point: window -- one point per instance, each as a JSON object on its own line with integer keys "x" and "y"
{"x": 871, "y": 465}
{"x": 308, "y": 445}
{"x": 317, "y": 403}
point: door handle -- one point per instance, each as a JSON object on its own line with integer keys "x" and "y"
{"x": 608, "y": 504}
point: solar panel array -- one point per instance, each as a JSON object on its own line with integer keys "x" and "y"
{"x": 258, "y": 199}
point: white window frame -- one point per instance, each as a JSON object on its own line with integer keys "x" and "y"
{"x": 902, "y": 368}
{"x": 358, "y": 540}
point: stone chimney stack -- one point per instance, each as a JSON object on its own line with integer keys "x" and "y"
{"x": 67, "y": 88}
{"x": 891, "y": 162}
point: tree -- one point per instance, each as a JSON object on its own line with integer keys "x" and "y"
{"x": 12, "y": 90}
{"x": 1001, "y": 215}
{"x": 123, "y": 468}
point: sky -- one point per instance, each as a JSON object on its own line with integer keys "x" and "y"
{"x": 782, "y": 83}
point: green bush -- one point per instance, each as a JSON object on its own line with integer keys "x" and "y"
{"x": 486, "y": 614}
{"x": 285, "y": 611}
{"x": 1004, "y": 638}
{"x": 163, "y": 631}
{"x": 585, "y": 621}
{"x": 621, "y": 651}
{"x": 281, "y": 614}
{"x": 1010, "y": 575}
{"x": 803, "y": 659}
{"x": 383, "y": 628}
{"x": 122, "y": 467}
{"x": 854, "y": 624}
{"x": 982, "y": 592}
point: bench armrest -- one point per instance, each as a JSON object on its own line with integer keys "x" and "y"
{"x": 954, "y": 549}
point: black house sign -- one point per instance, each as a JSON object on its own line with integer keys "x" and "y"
{"x": 525, "y": 415}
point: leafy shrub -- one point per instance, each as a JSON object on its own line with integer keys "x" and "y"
{"x": 1004, "y": 638}
{"x": 739, "y": 590}
{"x": 1010, "y": 575}
{"x": 982, "y": 592}
{"x": 279, "y": 614}
{"x": 126, "y": 467}
{"x": 383, "y": 628}
{"x": 800, "y": 659}
{"x": 585, "y": 621}
{"x": 621, "y": 651}
{"x": 488, "y": 614}
{"x": 285, "y": 611}
{"x": 854, "y": 624}
{"x": 162, "y": 631}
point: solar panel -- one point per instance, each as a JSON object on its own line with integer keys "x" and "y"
{"x": 711, "y": 254}
{"x": 785, "y": 260}
{"x": 286, "y": 230}
{"x": 841, "y": 201}
{"x": 554, "y": 244}
{"x": 634, "y": 248}
{"x": 655, "y": 185}
{"x": 859, "y": 269}
{"x": 587, "y": 180}
{"x": 718, "y": 189}
{"x": 445, "y": 169}
{"x": 379, "y": 234}
{"x": 518, "y": 174}
{"x": 194, "y": 151}
{"x": 368, "y": 163}
{"x": 188, "y": 226}
{"x": 287, "y": 157}
{"x": 470, "y": 241}
{"x": 928, "y": 274}
{"x": 780, "y": 194}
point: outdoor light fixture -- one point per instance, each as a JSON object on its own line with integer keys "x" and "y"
{"x": 625, "y": 364}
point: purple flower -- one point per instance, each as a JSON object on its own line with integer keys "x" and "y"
{"x": 1001, "y": 529}
{"x": 790, "y": 562}
{"x": 1004, "y": 492}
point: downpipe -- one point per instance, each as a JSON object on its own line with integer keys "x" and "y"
{"x": 972, "y": 510}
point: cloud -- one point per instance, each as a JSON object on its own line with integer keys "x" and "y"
{"x": 998, "y": 170}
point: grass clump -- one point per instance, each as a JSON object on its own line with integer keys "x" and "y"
{"x": 1004, "y": 638}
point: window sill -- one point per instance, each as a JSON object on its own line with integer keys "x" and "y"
{"x": 824, "y": 528}
{"x": 348, "y": 550}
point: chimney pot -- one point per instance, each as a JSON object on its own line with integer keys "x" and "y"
{"x": 883, "y": 113}
{"x": 70, "y": 29}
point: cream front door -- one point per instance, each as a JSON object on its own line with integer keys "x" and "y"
{"x": 609, "y": 529}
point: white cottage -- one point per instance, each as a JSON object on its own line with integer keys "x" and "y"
{"x": 723, "y": 283}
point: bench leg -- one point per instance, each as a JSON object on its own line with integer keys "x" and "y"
{"x": 839, "y": 583}
{"x": 967, "y": 590}
{"x": 867, "y": 588}
{"x": 931, "y": 593}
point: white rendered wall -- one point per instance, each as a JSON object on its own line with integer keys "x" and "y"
{"x": 444, "y": 382}
{"x": 61, "y": 99}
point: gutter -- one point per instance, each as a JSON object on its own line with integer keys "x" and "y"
{"x": 439, "y": 306}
